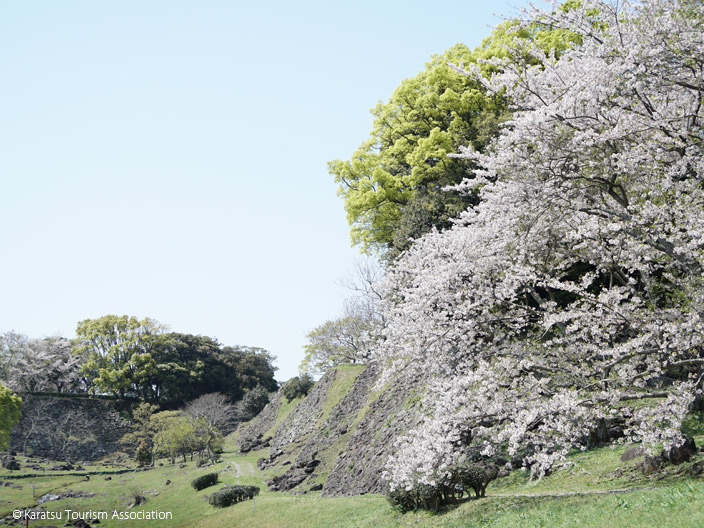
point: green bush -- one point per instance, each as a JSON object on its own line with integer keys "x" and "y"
{"x": 205, "y": 481}
{"x": 255, "y": 400}
{"x": 421, "y": 496}
{"x": 298, "y": 387}
{"x": 230, "y": 495}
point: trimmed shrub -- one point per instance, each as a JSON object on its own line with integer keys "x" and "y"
{"x": 205, "y": 481}
{"x": 230, "y": 495}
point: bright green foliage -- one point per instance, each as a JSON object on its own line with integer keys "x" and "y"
{"x": 10, "y": 405}
{"x": 174, "y": 435}
{"x": 119, "y": 353}
{"x": 393, "y": 184}
{"x": 165, "y": 433}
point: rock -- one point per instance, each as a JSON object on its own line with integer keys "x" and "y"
{"x": 682, "y": 453}
{"x": 616, "y": 432}
{"x": 696, "y": 469}
{"x": 167, "y": 482}
{"x": 62, "y": 467}
{"x": 632, "y": 453}
{"x": 354, "y": 438}
{"x": 48, "y": 497}
{"x": 315, "y": 487}
{"x": 287, "y": 481}
{"x": 253, "y": 444}
{"x": 650, "y": 464}
{"x": 11, "y": 463}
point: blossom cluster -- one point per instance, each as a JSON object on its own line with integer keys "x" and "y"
{"x": 573, "y": 292}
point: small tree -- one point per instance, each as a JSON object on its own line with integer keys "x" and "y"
{"x": 211, "y": 415}
{"x": 141, "y": 437}
{"x": 174, "y": 435}
{"x": 354, "y": 336}
{"x": 255, "y": 400}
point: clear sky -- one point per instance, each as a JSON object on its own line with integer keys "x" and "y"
{"x": 167, "y": 159}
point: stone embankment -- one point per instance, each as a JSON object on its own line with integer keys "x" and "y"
{"x": 92, "y": 428}
{"x": 336, "y": 439}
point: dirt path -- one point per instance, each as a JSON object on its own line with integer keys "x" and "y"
{"x": 245, "y": 469}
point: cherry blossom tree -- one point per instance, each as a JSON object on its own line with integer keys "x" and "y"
{"x": 33, "y": 365}
{"x": 574, "y": 288}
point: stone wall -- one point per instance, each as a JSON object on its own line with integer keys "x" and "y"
{"x": 95, "y": 424}
{"x": 388, "y": 415}
{"x": 251, "y": 434}
{"x": 350, "y": 445}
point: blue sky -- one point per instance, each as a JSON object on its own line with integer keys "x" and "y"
{"x": 167, "y": 159}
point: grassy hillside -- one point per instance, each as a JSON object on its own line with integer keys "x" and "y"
{"x": 592, "y": 489}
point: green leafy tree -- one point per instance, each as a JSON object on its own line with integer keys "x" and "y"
{"x": 128, "y": 357}
{"x": 393, "y": 185}
{"x": 298, "y": 387}
{"x": 188, "y": 366}
{"x": 243, "y": 368}
{"x": 164, "y": 433}
{"x": 255, "y": 400}
{"x": 141, "y": 436}
{"x": 10, "y": 405}
{"x": 176, "y": 436}
{"x": 119, "y": 353}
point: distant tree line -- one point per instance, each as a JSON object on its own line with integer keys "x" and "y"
{"x": 134, "y": 359}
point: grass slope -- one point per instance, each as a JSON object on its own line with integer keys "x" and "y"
{"x": 592, "y": 489}
{"x": 668, "y": 498}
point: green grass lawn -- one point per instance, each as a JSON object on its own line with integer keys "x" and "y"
{"x": 665, "y": 499}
